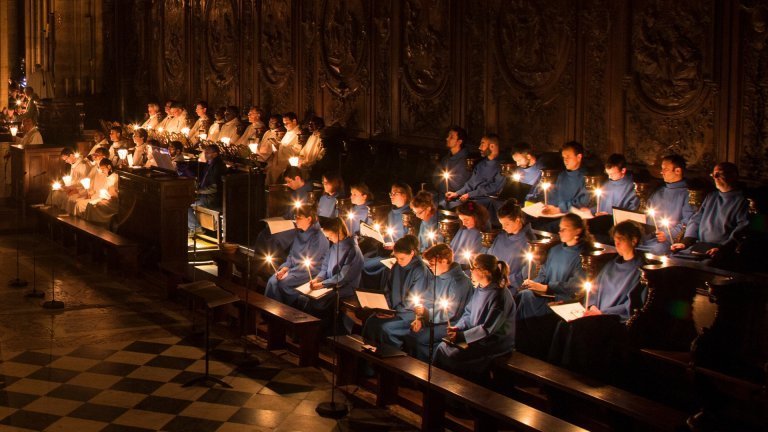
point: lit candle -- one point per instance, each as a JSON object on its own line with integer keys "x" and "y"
{"x": 444, "y": 305}
{"x": 416, "y": 300}
{"x": 203, "y": 136}
{"x": 350, "y": 215}
{"x": 135, "y": 126}
{"x": 297, "y": 204}
{"x": 652, "y": 213}
{"x": 14, "y": 130}
{"x": 67, "y": 180}
{"x": 185, "y": 131}
{"x": 293, "y": 161}
{"x": 160, "y": 129}
{"x": 516, "y": 177}
{"x": 391, "y": 234}
{"x": 665, "y": 224}
{"x": 545, "y": 186}
{"x": 467, "y": 256}
{"x": 269, "y": 259}
{"x": 18, "y": 102}
{"x": 56, "y": 186}
{"x": 225, "y": 140}
{"x": 529, "y": 257}
{"x": 253, "y": 148}
{"x": 308, "y": 265}
{"x": 598, "y": 192}
{"x": 104, "y": 194}
{"x": 587, "y": 288}
{"x": 446, "y": 176}
{"x": 122, "y": 153}
{"x": 431, "y": 237}
{"x": 77, "y": 155}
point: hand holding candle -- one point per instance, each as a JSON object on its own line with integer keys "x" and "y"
{"x": 268, "y": 258}
{"x": 529, "y": 258}
{"x": 598, "y": 192}
{"x": 516, "y": 177}
{"x": 445, "y": 305}
{"x": 308, "y": 265}
{"x": 665, "y": 224}
{"x": 545, "y": 186}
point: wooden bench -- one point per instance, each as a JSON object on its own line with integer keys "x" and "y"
{"x": 277, "y": 316}
{"x": 122, "y": 252}
{"x": 585, "y": 400}
{"x": 490, "y": 409}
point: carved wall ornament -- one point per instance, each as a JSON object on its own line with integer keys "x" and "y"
{"x": 344, "y": 47}
{"x": 174, "y": 47}
{"x": 222, "y": 41}
{"x": 277, "y": 42}
{"x": 425, "y": 46}
{"x": 533, "y": 40}
{"x": 753, "y": 157}
{"x": 382, "y": 82}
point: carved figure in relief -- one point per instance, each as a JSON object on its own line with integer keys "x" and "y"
{"x": 425, "y": 48}
{"x": 277, "y": 40}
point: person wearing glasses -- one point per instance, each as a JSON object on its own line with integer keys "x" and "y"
{"x": 722, "y": 218}
{"x": 423, "y": 206}
{"x": 670, "y": 201}
{"x": 468, "y": 240}
{"x": 452, "y": 289}
{"x": 511, "y": 244}
{"x": 486, "y": 179}
{"x": 405, "y": 288}
{"x": 486, "y": 329}
{"x": 333, "y": 188}
{"x": 309, "y": 246}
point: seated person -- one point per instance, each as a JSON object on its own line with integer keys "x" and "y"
{"x": 454, "y": 163}
{"x": 313, "y": 150}
{"x": 153, "y": 116}
{"x": 333, "y": 188}
{"x": 341, "y": 270}
{"x": 451, "y": 288}
{"x": 209, "y": 188}
{"x": 486, "y": 179}
{"x": 670, "y": 201}
{"x": 202, "y": 123}
{"x": 218, "y": 121}
{"x": 529, "y": 169}
{"x": 78, "y": 170}
{"x": 253, "y": 133}
{"x": 78, "y": 202}
{"x": 231, "y": 125}
{"x": 118, "y": 142}
{"x": 32, "y": 135}
{"x": 100, "y": 141}
{"x": 406, "y": 284}
{"x": 423, "y": 206}
{"x": 569, "y": 190}
{"x": 619, "y": 190}
{"x": 177, "y": 120}
{"x": 468, "y": 240}
{"x": 300, "y": 189}
{"x": 374, "y": 272}
{"x": 511, "y": 244}
{"x": 309, "y": 246}
{"x": 487, "y": 325}
{"x": 362, "y": 198}
{"x": 722, "y": 218}
{"x": 140, "y": 148}
{"x": 105, "y": 205}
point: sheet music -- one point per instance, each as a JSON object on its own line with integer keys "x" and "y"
{"x": 372, "y": 300}
{"x": 535, "y": 209}
{"x": 620, "y": 215}
{"x": 278, "y": 225}
{"x": 307, "y": 291}
{"x": 389, "y": 262}
{"x": 569, "y": 311}
{"x": 368, "y": 231}
{"x": 584, "y": 214}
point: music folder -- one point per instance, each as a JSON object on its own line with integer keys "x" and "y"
{"x": 374, "y": 300}
{"x": 309, "y": 292}
{"x": 621, "y": 215}
{"x": 368, "y": 231}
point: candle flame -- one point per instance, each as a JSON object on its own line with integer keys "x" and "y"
{"x": 588, "y": 286}
{"x": 529, "y": 256}
{"x": 546, "y": 185}
{"x": 390, "y": 231}
{"x": 598, "y": 192}
{"x": 86, "y": 182}
{"x": 651, "y": 212}
{"x": 56, "y": 185}
{"x": 307, "y": 262}
{"x": 377, "y": 227}
{"x": 516, "y": 177}
{"x": 185, "y": 131}
{"x": 135, "y": 126}
{"x": 293, "y": 161}
{"x": 350, "y": 215}
{"x": 416, "y": 300}
{"x": 268, "y": 258}
{"x": 431, "y": 235}
{"x": 665, "y": 222}
{"x": 160, "y": 129}
{"x": 444, "y": 304}
{"x": 467, "y": 255}
{"x": 297, "y": 204}
{"x": 446, "y": 175}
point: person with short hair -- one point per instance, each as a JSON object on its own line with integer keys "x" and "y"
{"x": 468, "y": 240}
{"x": 486, "y": 180}
{"x": 619, "y": 190}
{"x": 333, "y": 189}
{"x": 140, "y": 150}
{"x": 153, "y": 116}
{"x": 529, "y": 169}
{"x": 78, "y": 170}
{"x": 362, "y": 198}
{"x": 300, "y": 189}
{"x": 104, "y": 207}
{"x": 313, "y": 150}
{"x": 231, "y": 125}
{"x": 487, "y": 326}
{"x": 511, "y": 243}
{"x": 218, "y": 122}
{"x": 32, "y": 135}
{"x": 202, "y": 124}
{"x": 570, "y": 189}
{"x": 454, "y": 163}
{"x": 209, "y": 188}
{"x": 161, "y": 127}
{"x": 450, "y": 286}
{"x": 279, "y": 160}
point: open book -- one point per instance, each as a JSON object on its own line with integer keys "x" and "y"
{"x": 277, "y": 225}
{"x": 535, "y": 210}
{"x": 584, "y": 214}
{"x": 307, "y": 291}
{"x": 389, "y": 262}
{"x": 372, "y": 300}
{"x": 569, "y": 311}
{"x": 368, "y": 231}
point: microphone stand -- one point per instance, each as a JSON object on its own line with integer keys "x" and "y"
{"x": 333, "y": 409}
{"x": 432, "y": 325}
{"x": 53, "y": 303}
{"x": 17, "y": 282}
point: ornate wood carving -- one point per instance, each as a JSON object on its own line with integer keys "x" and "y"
{"x": 310, "y": 34}
{"x": 476, "y": 36}
{"x": 596, "y": 24}
{"x": 425, "y": 63}
{"x": 174, "y": 48}
{"x": 382, "y": 82}
{"x": 670, "y": 100}
{"x": 277, "y": 55}
{"x": 754, "y": 57}
{"x": 222, "y": 45}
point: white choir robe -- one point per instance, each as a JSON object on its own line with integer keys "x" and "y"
{"x": 176, "y": 124}
{"x": 98, "y": 182}
{"x": 229, "y": 130}
{"x": 78, "y": 171}
{"x": 151, "y": 123}
{"x": 101, "y": 212}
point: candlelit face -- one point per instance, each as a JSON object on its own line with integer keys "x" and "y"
{"x": 290, "y": 124}
{"x": 114, "y": 136}
{"x": 452, "y": 141}
{"x": 253, "y": 115}
{"x": 328, "y": 186}
{"x": 274, "y": 123}
{"x": 522, "y": 160}
{"x": 201, "y": 110}
{"x": 397, "y": 197}
{"x": 105, "y": 169}
{"x": 168, "y": 108}
{"x": 439, "y": 266}
{"x": 511, "y": 226}
{"x": 624, "y": 245}
{"x": 294, "y": 183}
{"x": 70, "y": 159}
{"x": 152, "y": 109}
{"x": 484, "y": 147}
{"x": 356, "y": 197}
{"x": 332, "y": 237}
{"x": 210, "y": 155}
{"x": 670, "y": 173}
{"x": 568, "y": 232}
{"x": 479, "y": 276}
{"x": 721, "y": 181}
{"x": 467, "y": 221}
{"x": 303, "y": 223}
{"x": 138, "y": 140}
{"x": 423, "y": 213}
{"x": 614, "y": 173}
{"x": 403, "y": 259}
{"x": 571, "y": 160}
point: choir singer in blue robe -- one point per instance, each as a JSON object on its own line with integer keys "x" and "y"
{"x": 424, "y": 207}
{"x": 486, "y": 180}
{"x": 511, "y": 244}
{"x": 529, "y": 169}
{"x": 454, "y": 164}
{"x": 333, "y": 189}
{"x": 569, "y": 189}
{"x": 362, "y": 198}
{"x": 468, "y": 240}
{"x": 619, "y": 190}
{"x": 486, "y": 330}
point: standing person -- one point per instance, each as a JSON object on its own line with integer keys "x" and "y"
{"x": 202, "y": 123}
{"x": 313, "y": 150}
{"x": 486, "y": 330}
{"x": 278, "y": 162}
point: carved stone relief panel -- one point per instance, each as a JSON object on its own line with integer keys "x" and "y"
{"x": 344, "y": 48}
{"x": 426, "y": 63}
{"x": 276, "y": 64}
{"x": 475, "y": 36}
{"x": 533, "y": 51}
{"x": 596, "y": 22}
{"x": 310, "y": 33}
{"x": 222, "y": 45}
{"x": 670, "y": 99}
{"x": 174, "y": 48}
{"x": 382, "y": 82}
{"x": 753, "y": 157}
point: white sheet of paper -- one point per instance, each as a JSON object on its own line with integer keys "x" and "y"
{"x": 368, "y": 231}
{"x": 584, "y": 214}
{"x": 209, "y": 268}
{"x": 620, "y": 215}
{"x": 569, "y": 311}
{"x": 389, "y": 262}
{"x": 278, "y": 225}
{"x": 372, "y": 300}
{"x": 535, "y": 209}
{"x": 307, "y": 291}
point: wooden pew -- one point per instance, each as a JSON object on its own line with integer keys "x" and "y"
{"x": 584, "y": 400}
{"x": 121, "y": 252}
{"x": 490, "y": 409}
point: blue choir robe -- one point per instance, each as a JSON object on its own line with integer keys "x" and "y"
{"x": 569, "y": 191}
{"x": 359, "y": 213}
{"x": 426, "y": 227}
{"x": 486, "y": 181}
{"x": 300, "y": 194}
{"x": 403, "y": 283}
{"x": 723, "y": 216}
{"x": 669, "y": 201}
{"x": 488, "y": 327}
{"x": 374, "y": 272}
{"x": 456, "y": 287}
{"x": 456, "y": 165}
{"x": 311, "y": 244}
{"x": 395, "y": 221}
{"x": 466, "y": 240}
{"x": 326, "y": 206}
{"x": 342, "y": 265}
{"x": 531, "y": 176}
{"x": 614, "y": 285}
{"x": 563, "y": 275}
{"x": 511, "y": 249}
{"x": 618, "y": 193}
